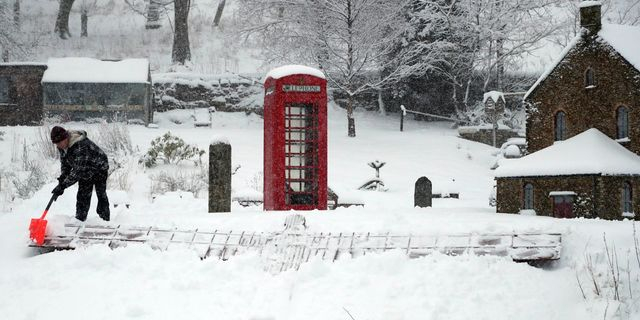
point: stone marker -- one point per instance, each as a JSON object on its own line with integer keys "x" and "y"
{"x": 220, "y": 176}
{"x": 422, "y": 194}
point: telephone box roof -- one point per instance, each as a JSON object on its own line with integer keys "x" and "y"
{"x": 89, "y": 70}
{"x": 283, "y": 71}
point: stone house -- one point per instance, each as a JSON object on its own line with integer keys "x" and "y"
{"x": 595, "y": 83}
{"x": 583, "y": 130}
{"x": 588, "y": 175}
{"x": 21, "y": 93}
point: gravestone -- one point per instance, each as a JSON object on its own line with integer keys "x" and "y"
{"x": 422, "y": 194}
{"x": 220, "y": 177}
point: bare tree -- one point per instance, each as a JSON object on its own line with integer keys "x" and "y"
{"x": 218, "y": 16}
{"x": 181, "y": 51}
{"x": 16, "y": 13}
{"x": 87, "y": 7}
{"x": 62, "y": 22}
{"x": 350, "y": 40}
{"x": 9, "y": 38}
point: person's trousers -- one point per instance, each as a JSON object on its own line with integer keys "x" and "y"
{"x": 85, "y": 188}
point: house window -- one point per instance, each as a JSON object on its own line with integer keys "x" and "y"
{"x": 528, "y": 196}
{"x": 5, "y": 87}
{"x": 627, "y": 198}
{"x": 622, "y": 115}
{"x": 589, "y": 79}
{"x": 560, "y": 126}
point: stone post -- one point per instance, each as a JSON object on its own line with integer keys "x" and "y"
{"x": 220, "y": 176}
{"x": 423, "y": 193}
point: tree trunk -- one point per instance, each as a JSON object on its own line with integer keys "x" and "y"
{"x": 216, "y": 20}
{"x": 16, "y": 14}
{"x": 153, "y": 15}
{"x": 84, "y": 19}
{"x": 181, "y": 51}
{"x": 381, "y": 106}
{"x": 62, "y": 22}
{"x": 499, "y": 66}
{"x": 351, "y": 122}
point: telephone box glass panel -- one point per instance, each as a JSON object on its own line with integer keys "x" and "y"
{"x": 301, "y": 156}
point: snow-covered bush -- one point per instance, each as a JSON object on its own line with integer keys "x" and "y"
{"x": 170, "y": 149}
{"x": 43, "y": 142}
{"x": 180, "y": 180}
{"x": 113, "y": 138}
{"x": 25, "y": 183}
{"x": 606, "y": 274}
{"x": 121, "y": 173}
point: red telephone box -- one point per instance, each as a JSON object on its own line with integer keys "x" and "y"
{"x": 295, "y": 139}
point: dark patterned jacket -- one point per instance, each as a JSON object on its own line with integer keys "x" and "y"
{"x": 83, "y": 160}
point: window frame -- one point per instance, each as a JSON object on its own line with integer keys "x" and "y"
{"x": 560, "y": 126}
{"x": 10, "y": 94}
{"x": 626, "y": 198}
{"x": 589, "y": 78}
{"x": 622, "y": 122}
{"x": 527, "y": 196}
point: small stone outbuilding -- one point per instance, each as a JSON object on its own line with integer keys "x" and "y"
{"x": 588, "y": 175}
{"x": 21, "y": 93}
{"x": 85, "y": 88}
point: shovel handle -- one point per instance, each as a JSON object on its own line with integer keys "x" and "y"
{"x": 53, "y": 198}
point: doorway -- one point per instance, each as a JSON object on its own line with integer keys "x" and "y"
{"x": 563, "y": 206}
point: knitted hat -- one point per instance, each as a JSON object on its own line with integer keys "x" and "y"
{"x": 58, "y": 134}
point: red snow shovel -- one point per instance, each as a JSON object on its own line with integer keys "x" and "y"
{"x": 38, "y": 227}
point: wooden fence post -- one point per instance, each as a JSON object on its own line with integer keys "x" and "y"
{"x": 403, "y": 112}
{"x": 220, "y": 176}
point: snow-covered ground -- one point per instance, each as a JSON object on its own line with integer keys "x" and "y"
{"x": 139, "y": 283}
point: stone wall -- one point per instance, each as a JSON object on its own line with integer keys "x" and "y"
{"x": 227, "y": 92}
{"x": 596, "y": 196}
{"x": 485, "y": 134}
{"x": 617, "y": 83}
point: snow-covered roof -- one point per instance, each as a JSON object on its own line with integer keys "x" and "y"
{"x": 585, "y": 4}
{"x": 291, "y": 69}
{"x": 622, "y": 38}
{"x": 89, "y": 70}
{"x": 625, "y": 40}
{"x": 590, "y": 152}
{"x": 494, "y": 95}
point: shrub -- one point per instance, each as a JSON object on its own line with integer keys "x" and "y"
{"x": 170, "y": 150}
{"x": 43, "y": 142}
{"x": 114, "y": 138}
{"x": 175, "y": 180}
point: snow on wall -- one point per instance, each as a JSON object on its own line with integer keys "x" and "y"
{"x": 288, "y": 70}
{"x": 590, "y": 152}
{"x": 585, "y": 4}
{"x": 205, "y": 80}
{"x": 89, "y": 70}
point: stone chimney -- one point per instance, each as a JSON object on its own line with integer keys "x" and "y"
{"x": 590, "y": 16}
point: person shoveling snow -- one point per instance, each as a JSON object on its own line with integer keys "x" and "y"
{"x": 84, "y": 162}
